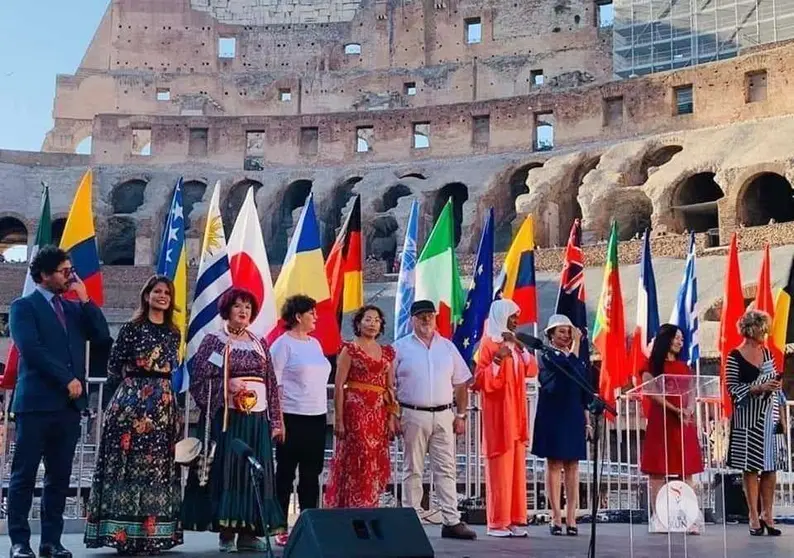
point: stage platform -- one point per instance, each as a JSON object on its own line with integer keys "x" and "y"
{"x": 614, "y": 542}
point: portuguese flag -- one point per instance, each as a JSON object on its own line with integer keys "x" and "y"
{"x": 609, "y": 333}
{"x": 437, "y": 276}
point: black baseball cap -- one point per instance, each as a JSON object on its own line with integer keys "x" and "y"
{"x": 422, "y": 306}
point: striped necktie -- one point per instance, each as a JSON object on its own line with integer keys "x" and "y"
{"x": 58, "y": 306}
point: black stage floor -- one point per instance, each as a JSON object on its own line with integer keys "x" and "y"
{"x": 615, "y": 540}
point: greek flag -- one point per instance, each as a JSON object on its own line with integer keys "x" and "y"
{"x": 685, "y": 312}
{"x": 214, "y": 279}
{"x": 406, "y": 282}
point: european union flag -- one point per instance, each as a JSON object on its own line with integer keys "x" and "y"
{"x": 478, "y": 301}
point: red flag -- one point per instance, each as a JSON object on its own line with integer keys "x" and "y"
{"x": 766, "y": 303}
{"x": 732, "y": 311}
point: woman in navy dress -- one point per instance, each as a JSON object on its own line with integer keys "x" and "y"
{"x": 562, "y": 424}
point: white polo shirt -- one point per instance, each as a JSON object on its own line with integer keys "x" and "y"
{"x": 302, "y": 372}
{"x": 426, "y": 375}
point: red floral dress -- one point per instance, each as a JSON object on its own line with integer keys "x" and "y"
{"x": 360, "y": 468}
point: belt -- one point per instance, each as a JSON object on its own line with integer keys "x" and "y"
{"x": 366, "y": 387}
{"x": 436, "y": 409}
{"x": 247, "y": 394}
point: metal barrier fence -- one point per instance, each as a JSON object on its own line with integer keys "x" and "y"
{"x": 623, "y": 485}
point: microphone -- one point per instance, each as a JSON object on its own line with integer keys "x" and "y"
{"x": 244, "y": 450}
{"x": 531, "y": 342}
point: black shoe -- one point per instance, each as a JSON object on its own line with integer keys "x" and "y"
{"x": 572, "y": 531}
{"x": 21, "y": 551}
{"x": 53, "y": 550}
{"x": 555, "y": 530}
{"x": 458, "y": 531}
{"x": 771, "y": 531}
{"x": 757, "y": 532}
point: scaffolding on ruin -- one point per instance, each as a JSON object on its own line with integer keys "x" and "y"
{"x": 658, "y": 35}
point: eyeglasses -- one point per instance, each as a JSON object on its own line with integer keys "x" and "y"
{"x": 65, "y": 271}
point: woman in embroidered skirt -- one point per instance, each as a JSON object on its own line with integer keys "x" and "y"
{"x": 364, "y": 421}
{"x": 135, "y": 497}
{"x": 233, "y": 380}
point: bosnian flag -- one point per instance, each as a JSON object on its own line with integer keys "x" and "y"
{"x": 685, "y": 312}
{"x": 214, "y": 279}
{"x": 647, "y": 313}
{"x": 250, "y": 267}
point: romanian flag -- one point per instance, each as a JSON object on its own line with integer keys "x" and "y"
{"x": 609, "y": 332}
{"x": 303, "y": 273}
{"x": 345, "y": 264}
{"x": 516, "y": 281}
{"x": 79, "y": 239}
{"x": 783, "y": 325}
{"x": 173, "y": 264}
{"x": 732, "y": 311}
{"x": 437, "y": 275}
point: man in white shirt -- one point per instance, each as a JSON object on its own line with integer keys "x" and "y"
{"x": 430, "y": 373}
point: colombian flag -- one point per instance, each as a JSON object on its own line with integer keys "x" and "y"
{"x": 783, "y": 325}
{"x": 303, "y": 273}
{"x": 79, "y": 239}
{"x": 344, "y": 267}
{"x": 516, "y": 281}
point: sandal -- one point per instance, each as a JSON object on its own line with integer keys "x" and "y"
{"x": 572, "y": 531}
{"x": 555, "y": 530}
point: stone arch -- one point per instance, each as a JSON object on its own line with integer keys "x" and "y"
{"x": 633, "y": 214}
{"x": 459, "y": 193}
{"x": 654, "y": 158}
{"x": 58, "y": 225}
{"x": 294, "y": 198}
{"x": 84, "y": 146}
{"x": 391, "y": 196}
{"x": 234, "y": 201}
{"x": 568, "y": 208}
{"x": 192, "y": 193}
{"x": 417, "y": 175}
{"x": 331, "y": 212}
{"x": 694, "y": 203}
{"x": 13, "y": 239}
{"x": 515, "y": 185}
{"x": 128, "y": 196}
{"x": 764, "y": 197}
{"x": 119, "y": 245}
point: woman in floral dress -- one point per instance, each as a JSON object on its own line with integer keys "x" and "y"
{"x": 365, "y": 409}
{"x": 135, "y": 498}
{"x": 233, "y": 383}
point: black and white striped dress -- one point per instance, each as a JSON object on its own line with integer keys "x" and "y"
{"x": 753, "y": 445}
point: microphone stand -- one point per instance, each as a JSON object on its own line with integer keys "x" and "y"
{"x": 258, "y": 490}
{"x": 596, "y": 407}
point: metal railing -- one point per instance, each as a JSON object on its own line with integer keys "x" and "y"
{"x": 623, "y": 485}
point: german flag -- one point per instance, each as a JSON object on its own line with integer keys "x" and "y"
{"x": 345, "y": 264}
{"x": 783, "y": 323}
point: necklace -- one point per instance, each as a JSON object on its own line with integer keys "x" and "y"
{"x": 236, "y": 331}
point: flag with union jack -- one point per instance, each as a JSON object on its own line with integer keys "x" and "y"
{"x": 571, "y": 298}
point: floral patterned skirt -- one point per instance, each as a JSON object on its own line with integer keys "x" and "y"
{"x": 136, "y": 493}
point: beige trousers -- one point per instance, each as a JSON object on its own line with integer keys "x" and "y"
{"x": 422, "y": 432}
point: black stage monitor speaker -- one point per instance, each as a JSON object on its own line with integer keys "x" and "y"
{"x": 358, "y": 533}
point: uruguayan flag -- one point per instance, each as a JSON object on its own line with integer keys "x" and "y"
{"x": 214, "y": 279}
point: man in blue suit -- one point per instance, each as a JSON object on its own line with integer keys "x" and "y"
{"x": 51, "y": 335}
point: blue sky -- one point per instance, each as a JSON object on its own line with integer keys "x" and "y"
{"x": 39, "y": 39}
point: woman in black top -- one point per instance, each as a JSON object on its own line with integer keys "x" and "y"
{"x": 755, "y": 445}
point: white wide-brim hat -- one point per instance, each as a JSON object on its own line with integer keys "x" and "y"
{"x": 187, "y": 450}
{"x": 557, "y": 320}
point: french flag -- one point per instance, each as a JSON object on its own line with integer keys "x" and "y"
{"x": 647, "y": 313}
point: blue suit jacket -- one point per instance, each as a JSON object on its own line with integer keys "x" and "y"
{"x": 51, "y": 356}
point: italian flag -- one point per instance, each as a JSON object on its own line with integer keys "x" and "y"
{"x": 437, "y": 276}
{"x": 609, "y": 333}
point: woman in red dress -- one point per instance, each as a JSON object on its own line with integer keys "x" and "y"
{"x": 365, "y": 409}
{"x": 676, "y": 454}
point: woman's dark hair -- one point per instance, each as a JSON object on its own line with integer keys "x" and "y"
{"x": 47, "y": 261}
{"x": 294, "y": 305}
{"x": 142, "y": 313}
{"x": 230, "y": 297}
{"x": 661, "y": 347}
{"x": 358, "y": 317}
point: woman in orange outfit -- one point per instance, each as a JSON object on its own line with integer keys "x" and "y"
{"x": 502, "y": 367}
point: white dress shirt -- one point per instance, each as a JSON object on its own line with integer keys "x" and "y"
{"x": 426, "y": 375}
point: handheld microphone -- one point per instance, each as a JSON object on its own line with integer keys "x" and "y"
{"x": 531, "y": 342}
{"x": 244, "y": 450}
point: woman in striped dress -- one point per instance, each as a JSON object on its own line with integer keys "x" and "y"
{"x": 755, "y": 445}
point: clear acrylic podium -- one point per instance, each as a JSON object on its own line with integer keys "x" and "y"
{"x": 684, "y": 447}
